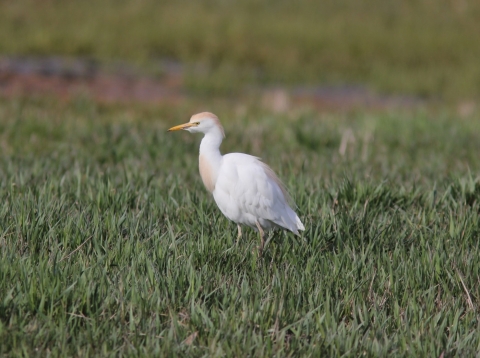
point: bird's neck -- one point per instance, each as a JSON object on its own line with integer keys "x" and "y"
{"x": 210, "y": 159}
{"x": 210, "y": 145}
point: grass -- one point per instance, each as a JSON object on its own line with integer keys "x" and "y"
{"x": 425, "y": 48}
{"x": 110, "y": 245}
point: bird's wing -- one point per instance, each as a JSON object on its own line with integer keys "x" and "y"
{"x": 247, "y": 185}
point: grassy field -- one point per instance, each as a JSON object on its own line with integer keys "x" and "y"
{"x": 110, "y": 245}
{"x": 425, "y": 48}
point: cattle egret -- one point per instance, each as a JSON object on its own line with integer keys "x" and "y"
{"x": 246, "y": 190}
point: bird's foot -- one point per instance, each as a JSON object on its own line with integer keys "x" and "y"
{"x": 260, "y": 251}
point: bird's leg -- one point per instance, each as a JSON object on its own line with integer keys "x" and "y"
{"x": 262, "y": 241}
{"x": 239, "y": 233}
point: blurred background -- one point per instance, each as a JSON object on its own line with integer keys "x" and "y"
{"x": 339, "y": 54}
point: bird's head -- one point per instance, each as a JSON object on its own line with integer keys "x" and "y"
{"x": 204, "y": 122}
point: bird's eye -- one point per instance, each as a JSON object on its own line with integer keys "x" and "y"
{"x": 197, "y": 123}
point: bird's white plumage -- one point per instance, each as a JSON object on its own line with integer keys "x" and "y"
{"x": 245, "y": 189}
{"x": 246, "y": 193}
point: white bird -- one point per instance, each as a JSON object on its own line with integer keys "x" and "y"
{"x": 246, "y": 190}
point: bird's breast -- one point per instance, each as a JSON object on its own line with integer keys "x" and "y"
{"x": 207, "y": 174}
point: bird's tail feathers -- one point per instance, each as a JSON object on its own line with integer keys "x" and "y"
{"x": 299, "y": 224}
{"x": 296, "y": 225}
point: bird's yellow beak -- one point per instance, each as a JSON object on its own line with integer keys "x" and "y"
{"x": 182, "y": 126}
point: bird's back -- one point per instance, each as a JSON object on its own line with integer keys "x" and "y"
{"x": 247, "y": 190}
